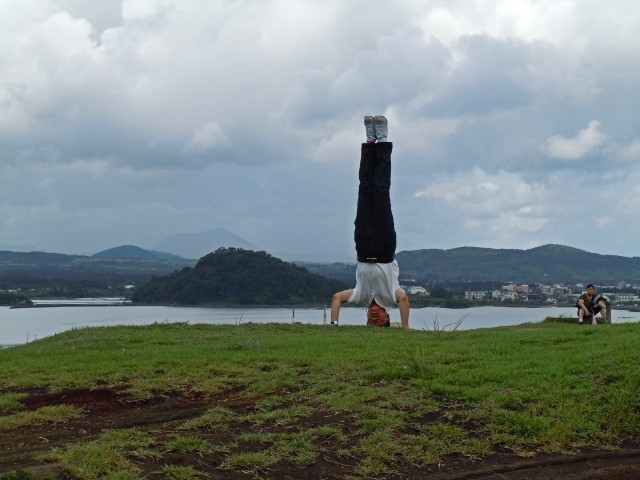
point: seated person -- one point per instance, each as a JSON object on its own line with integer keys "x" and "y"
{"x": 589, "y": 306}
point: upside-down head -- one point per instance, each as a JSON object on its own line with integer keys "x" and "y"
{"x": 377, "y": 316}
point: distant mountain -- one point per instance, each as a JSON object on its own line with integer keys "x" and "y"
{"x": 60, "y": 275}
{"x": 544, "y": 264}
{"x": 232, "y": 276}
{"x": 18, "y": 248}
{"x": 165, "y": 255}
{"x": 300, "y": 258}
{"x": 36, "y": 258}
{"x": 196, "y": 245}
{"x": 132, "y": 252}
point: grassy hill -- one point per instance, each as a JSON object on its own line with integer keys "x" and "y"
{"x": 310, "y": 401}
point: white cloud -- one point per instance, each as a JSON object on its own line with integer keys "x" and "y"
{"x": 151, "y": 102}
{"x": 207, "y": 137}
{"x": 602, "y": 222}
{"x": 514, "y": 221}
{"x": 480, "y": 193}
{"x": 336, "y": 148}
{"x": 140, "y": 9}
{"x": 632, "y": 151}
{"x": 585, "y": 142}
{"x": 45, "y": 66}
{"x": 503, "y": 205}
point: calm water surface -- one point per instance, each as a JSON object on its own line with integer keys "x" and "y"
{"x": 23, "y": 325}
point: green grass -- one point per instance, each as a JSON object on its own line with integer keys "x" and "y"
{"x": 176, "y": 472}
{"x": 9, "y": 403}
{"x": 298, "y": 447}
{"x": 251, "y": 461}
{"x": 216, "y": 418}
{"x": 382, "y": 397}
{"x": 105, "y": 458}
{"x": 50, "y": 414}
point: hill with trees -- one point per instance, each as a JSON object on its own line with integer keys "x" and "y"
{"x": 544, "y": 264}
{"x": 233, "y": 276}
{"x": 14, "y": 299}
{"x": 51, "y": 275}
{"x": 56, "y": 275}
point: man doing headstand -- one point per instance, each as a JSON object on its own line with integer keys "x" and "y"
{"x": 377, "y": 286}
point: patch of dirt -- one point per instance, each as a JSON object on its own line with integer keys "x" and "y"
{"x": 108, "y": 408}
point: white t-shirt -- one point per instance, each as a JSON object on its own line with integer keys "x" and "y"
{"x": 376, "y": 281}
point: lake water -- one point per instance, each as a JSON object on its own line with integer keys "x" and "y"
{"x": 22, "y": 325}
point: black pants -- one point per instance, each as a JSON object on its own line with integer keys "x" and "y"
{"x": 374, "y": 234}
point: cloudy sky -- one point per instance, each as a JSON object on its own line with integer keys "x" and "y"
{"x": 515, "y": 123}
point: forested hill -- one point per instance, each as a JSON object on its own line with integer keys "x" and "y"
{"x": 48, "y": 275}
{"x": 545, "y": 264}
{"x": 233, "y": 276}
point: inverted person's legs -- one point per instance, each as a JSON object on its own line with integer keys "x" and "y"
{"x": 374, "y": 234}
{"x": 385, "y": 228}
{"x": 366, "y": 200}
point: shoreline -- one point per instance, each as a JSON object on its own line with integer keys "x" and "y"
{"x": 301, "y": 306}
{"x": 304, "y": 307}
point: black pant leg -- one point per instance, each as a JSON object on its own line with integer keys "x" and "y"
{"x": 366, "y": 199}
{"x": 374, "y": 234}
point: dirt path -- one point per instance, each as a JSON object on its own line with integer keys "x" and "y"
{"x": 112, "y": 409}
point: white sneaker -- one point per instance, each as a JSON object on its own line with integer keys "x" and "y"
{"x": 369, "y": 126}
{"x": 381, "y": 128}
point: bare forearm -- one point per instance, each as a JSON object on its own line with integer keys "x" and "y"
{"x": 336, "y": 302}
{"x": 403, "y": 306}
